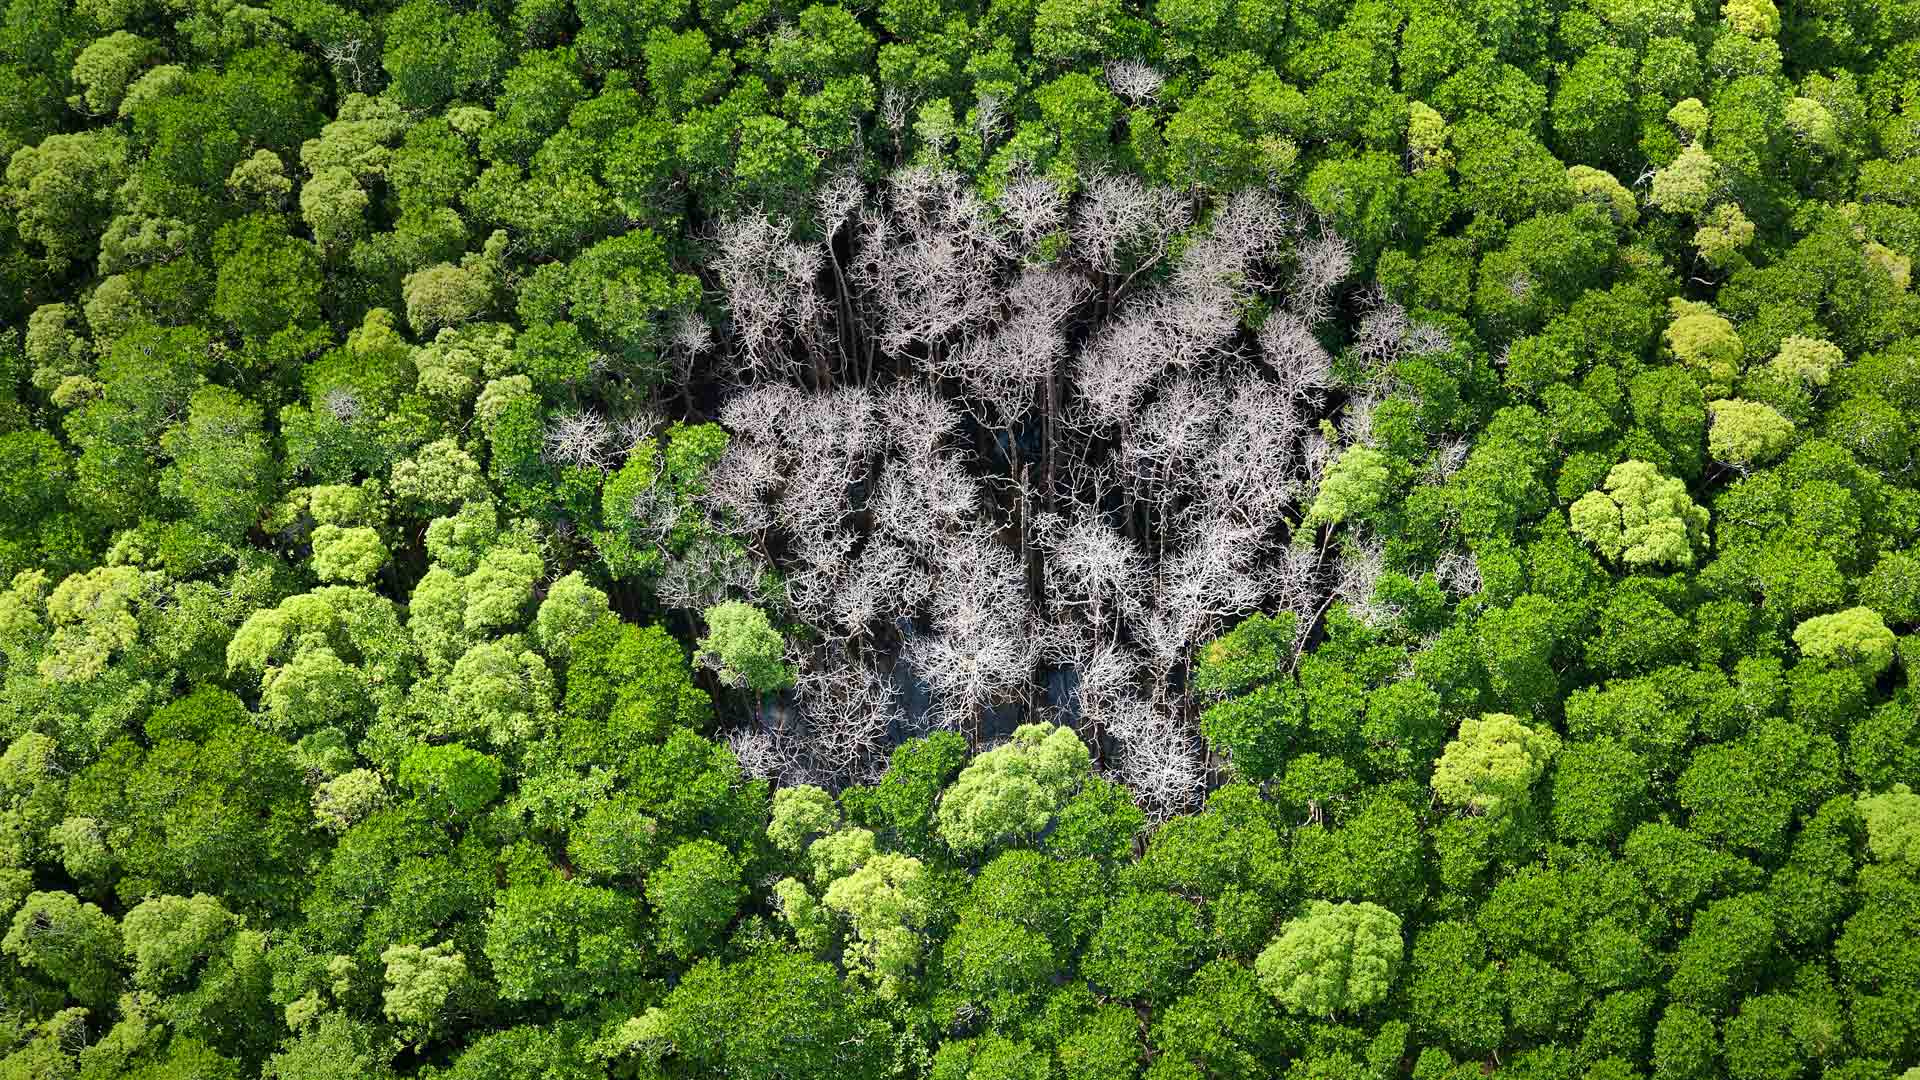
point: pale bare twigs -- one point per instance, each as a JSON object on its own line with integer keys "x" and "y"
{"x": 1027, "y": 452}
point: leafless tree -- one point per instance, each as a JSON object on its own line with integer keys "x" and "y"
{"x": 1325, "y": 260}
{"x": 1161, "y": 759}
{"x": 1248, "y": 471}
{"x": 849, "y": 713}
{"x": 767, "y": 279}
{"x": 1360, "y": 566}
{"x": 1034, "y": 207}
{"x": 1356, "y": 421}
{"x": 582, "y": 439}
{"x": 1447, "y": 459}
{"x": 355, "y": 59}
{"x": 758, "y": 756}
{"x": 1133, "y": 80}
{"x": 1303, "y": 365}
{"x": 1096, "y": 574}
{"x": 1114, "y": 371}
{"x": 1458, "y": 572}
{"x": 708, "y": 572}
{"x": 1007, "y": 472}
{"x": 1124, "y": 226}
{"x": 1384, "y": 327}
{"x": 928, "y": 260}
{"x": 917, "y": 419}
{"x": 988, "y": 114}
{"x": 1293, "y": 583}
{"x": 344, "y": 404}
{"x": 895, "y": 107}
{"x": 1424, "y": 338}
{"x": 834, "y": 204}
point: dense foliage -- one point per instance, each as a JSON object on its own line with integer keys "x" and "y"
{"x": 1009, "y": 540}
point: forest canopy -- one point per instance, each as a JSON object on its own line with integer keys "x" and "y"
{"x": 952, "y": 540}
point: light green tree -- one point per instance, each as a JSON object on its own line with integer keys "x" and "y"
{"x": 437, "y": 478}
{"x": 1898, "y": 268}
{"x": 459, "y": 360}
{"x": 93, "y": 620}
{"x": 1857, "y": 638}
{"x": 345, "y": 800}
{"x": 462, "y": 600}
{"x": 75, "y": 944}
{"x": 1723, "y": 231}
{"x": 334, "y": 206}
{"x": 1754, "y": 18}
{"x": 1808, "y": 360}
{"x": 82, "y": 845}
{"x": 1334, "y": 958}
{"x": 449, "y": 295}
{"x": 324, "y": 657}
{"x": 800, "y": 813}
{"x": 419, "y": 981}
{"x": 1600, "y": 186}
{"x": 1893, "y": 826}
{"x": 105, "y": 68}
{"x": 62, "y": 189}
{"x": 571, "y": 605}
{"x": 1355, "y": 483}
{"x": 499, "y": 692}
{"x": 1011, "y": 792}
{"x": 1812, "y": 124}
{"x": 1688, "y": 184}
{"x": 350, "y": 556}
{"x": 260, "y": 182}
{"x": 887, "y": 902}
{"x": 1690, "y": 117}
{"x": 840, "y": 853}
{"x": 812, "y": 924}
{"x": 1490, "y": 768}
{"x": 1747, "y": 433}
{"x": 1702, "y": 339}
{"x": 1427, "y": 138}
{"x": 334, "y": 1047}
{"x": 169, "y": 937}
{"x": 743, "y": 646}
{"x": 1640, "y": 519}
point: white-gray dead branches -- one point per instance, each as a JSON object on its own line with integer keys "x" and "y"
{"x": 1052, "y": 459}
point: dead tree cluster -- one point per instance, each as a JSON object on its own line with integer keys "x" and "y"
{"x": 1016, "y": 458}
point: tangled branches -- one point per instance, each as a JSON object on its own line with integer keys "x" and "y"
{"x": 1019, "y": 457}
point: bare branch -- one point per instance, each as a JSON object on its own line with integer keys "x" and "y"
{"x": 1133, "y": 80}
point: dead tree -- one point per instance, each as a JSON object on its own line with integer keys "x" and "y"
{"x": 1018, "y": 477}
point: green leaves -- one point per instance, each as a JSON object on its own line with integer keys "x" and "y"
{"x": 72, "y": 943}
{"x": 1010, "y": 793}
{"x": 1354, "y": 484}
{"x": 561, "y": 942}
{"x": 1491, "y": 767}
{"x": 1747, "y": 433}
{"x": 1640, "y": 519}
{"x": 1334, "y": 958}
{"x": 1584, "y": 746}
{"x": 453, "y": 781}
{"x": 694, "y": 894}
{"x": 745, "y": 648}
{"x": 1855, "y": 638}
{"x": 62, "y": 188}
{"x": 1893, "y": 826}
